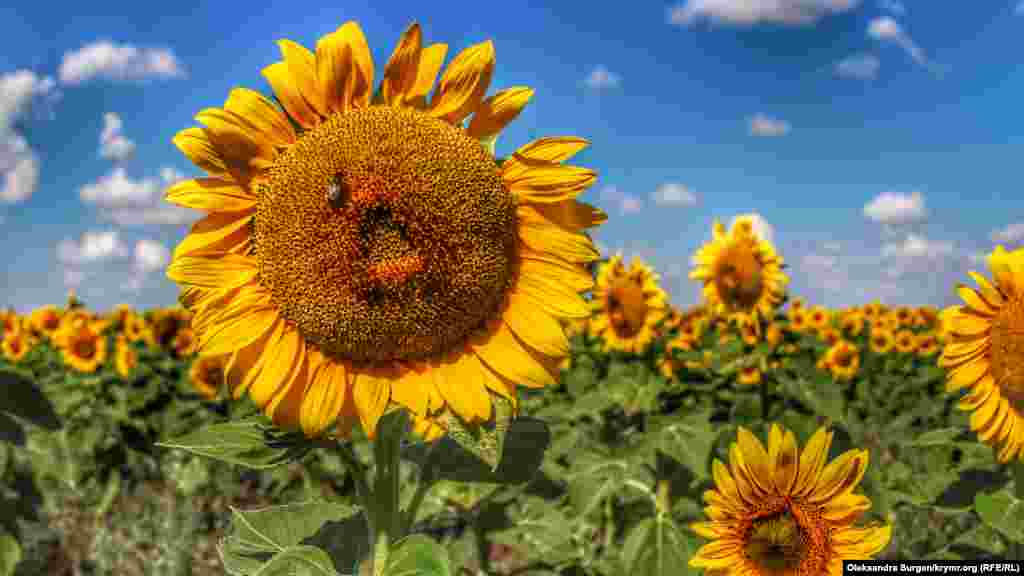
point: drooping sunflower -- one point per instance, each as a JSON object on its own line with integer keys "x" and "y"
{"x": 84, "y": 349}
{"x": 906, "y": 341}
{"x": 741, "y": 272}
{"x": 985, "y": 353}
{"x": 365, "y": 250}
{"x": 783, "y": 512}
{"x": 628, "y": 305}
{"x": 881, "y": 341}
{"x": 843, "y": 360}
{"x": 207, "y": 376}
{"x": 125, "y": 357}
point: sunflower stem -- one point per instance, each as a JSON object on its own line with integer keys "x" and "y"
{"x": 387, "y": 526}
{"x": 426, "y": 481}
{"x": 1018, "y": 491}
{"x": 764, "y": 398}
{"x": 363, "y": 494}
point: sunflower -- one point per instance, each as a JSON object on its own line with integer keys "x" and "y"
{"x": 185, "y": 342}
{"x": 749, "y": 375}
{"x": 906, "y": 341}
{"x": 796, "y": 305}
{"x": 881, "y": 341}
{"x": 125, "y": 358}
{"x": 628, "y": 305}
{"x": 852, "y": 323}
{"x": 843, "y": 360}
{"x": 12, "y": 322}
{"x": 773, "y": 334}
{"x": 780, "y": 512}
{"x": 692, "y": 330}
{"x": 986, "y": 353}
{"x": 798, "y": 321}
{"x": 871, "y": 310}
{"x": 365, "y": 250}
{"x": 925, "y": 316}
{"x": 819, "y": 317}
{"x": 668, "y": 365}
{"x": 890, "y": 321}
{"x": 207, "y": 376}
{"x": 84, "y": 348}
{"x": 741, "y": 272}
{"x": 927, "y": 344}
{"x": 750, "y": 331}
{"x": 45, "y": 321}
{"x": 829, "y": 335}
{"x": 904, "y": 315}
{"x": 16, "y": 345}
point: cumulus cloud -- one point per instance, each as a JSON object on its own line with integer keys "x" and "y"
{"x": 914, "y": 250}
{"x": 93, "y": 246}
{"x": 19, "y": 165}
{"x": 886, "y": 29}
{"x": 131, "y": 202}
{"x": 626, "y": 203}
{"x": 106, "y": 59}
{"x": 149, "y": 256}
{"x": 674, "y": 194}
{"x": 602, "y": 77}
{"x": 750, "y": 12}
{"x": 858, "y": 66}
{"x": 761, "y": 226}
{"x": 763, "y": 125}
{"x": 1008, "y": 234}
{"x": 896, "y": 208}
{"x": 113, "y": 144}
{"x": 824, "y": 271}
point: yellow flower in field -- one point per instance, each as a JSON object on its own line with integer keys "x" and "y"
{"x": 576, "y": 326}
{"x": 84, "y": 349}
{"x": 185, "y": 342}
{"x": 671, "y": 321}
{"x": 750, "y": 331}
{"x": 822, "y": 363}
{"x": 926, "y": 316}
{"x": 692, "y": 330}
{"x": 796, "y": 305}
{"x": 134, "y": 328}
{"x": 906, "y": 341}
{"x": 819, "y": 317}
{"x": 904, "y": 315}
{"x": 741, "y": 272}
{"x": 749, "y": 375}
{"x": 843, "y": 360}
{"x": 927, "y": 344}
{"x": 16, "y": 344}
{"x": 365, "y": 251}
{"x": 890, "y": 321}
{"x": 120, "y": 313}
{"x": 12, "y": 322}
{"x": 829, "y": 335}
{"x": 788, "y": 348}
{"x": 780, "y": 512}
{"x": 207, "y": 376}
{"x": 798, "y": 321}
{"x": 881, "y": 341}
{"x": 872, "y": 310}
{"x": 986, "y": 353}
{"x": 773, "y": 334}
{"x": 125, "y": 358}
{"x": 45, "y": 320}
{"x": 852, "y": 323}
{"x": 628, "y": 305}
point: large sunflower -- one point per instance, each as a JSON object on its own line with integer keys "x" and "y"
{"x": 985, "y": 353}
{"x": 777, "y": 512}
{"x": 741, "y": 272}
{"x": 365, "y": 249}
{"x": 628, "y": 305}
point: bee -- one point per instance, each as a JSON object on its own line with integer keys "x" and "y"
{"x": 337, "y": 194}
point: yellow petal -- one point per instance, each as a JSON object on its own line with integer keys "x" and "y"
{"x": 966, "y": 322}
{"x": 403, "y": 66}
{"x": 302, "y": 67}
{"x": 414, "y": 389}
{"x": 461, "y": 382}
{"x": 541, "y": 265}
{"x": 219, "y": 231}
{"x": 551, "y": 150}
{"x": 497, "y": 111}
{"x": 572, "y": 246}
{"x": 538, "y": 329}
{"x": 327, "y": 393}
{"x": 262, "y": 115}
{"x": 245, "y": 365}
{"x": 718, "y": 555}
{"x": 431, "y": 59}
{"x": 786, "y": 459}
{"x": 244, "y": 321}
{"x": 225, "y": 271}
{"x": 280, "y": 79}
{"x": 846, "y": 509}
{"x": 371, "y": 390}
{"x": 749, "y": 491}
{"x": 840, "y": 476}
{"x": 336, "y": 74}
{"x": 555, "y": 298}
{"x": 756, "y": 460}
{"x": 196, "y": 145}
{"x": 978, "y": 395}
{"x": 861, "y": 543}
{"x": 993, "y": 297}
{"x": 551, "y": 183}
{"x": 352, "y": 35}
{"x": 210, "y": 195}
{"x": 812, "y": 458}
{"x": 504, "y": 354}
{"x": 974, "y": 302}
{"x": 285, "y": 409}
{"x": 968, "y": 373}
{"x": 241, "y": 147}
{"x": 464, "y": 83}
{"x": 574, "y": 216}
{"x": 280, "y": 369}
{"x": 726, "y": 485}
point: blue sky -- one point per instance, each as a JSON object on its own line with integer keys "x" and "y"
{"x": 879, "y": 141}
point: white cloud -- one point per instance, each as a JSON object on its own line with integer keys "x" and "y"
{"x": 92, "y": 247}
{"x": 858, "y": 66}
{"x": 19, "y": 165}
{"x": 896, "y": 208}
{"x": 118, "y": 62}
{"x": 148, "y": 257}
{"x": 1020, "y": 8}
{"x": 749, "y": 12}
{"x": 131, "y": 202}
{"x": 762, "y": 125}
{"x": 831, "y": 246}
{"x": 824, "y": 271}
{"x": 674, "y": 194}
{"x": 602, "y": 77}
{"x": 1010, "y": 233}
{"x": 886, "y": 29}
{"x": 916, "y": 246}
{"x": 73, "y": 277}
{"x": 626, "y": 203}
{"x": 113, "y": 144}
{"x": 892, "y": 6}
{"x": 761, "y": 226}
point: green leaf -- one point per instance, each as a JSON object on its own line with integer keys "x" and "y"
{"x": 1003, "y": 512}
{"x": 939, "y": 437}
{"x": 418, "y": 555}
{"x": 316, "y": 536}
{"x": 10, "y": 554}
{"x": 25, "y": 400}
{"x": 822, "y": 395}
{"x": 10, "y": 430}
{"x": 485, "y": 441}
{"x": 248, "y": 443}
{"x": 657, "y": 547}
{"x": 522, "y": 454}
{"x": 689, "y": 442}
